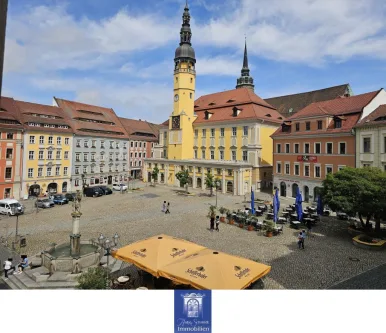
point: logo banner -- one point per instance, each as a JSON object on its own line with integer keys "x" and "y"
{"x": 192, "y": 311}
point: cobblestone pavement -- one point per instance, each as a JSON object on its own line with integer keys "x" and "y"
{"x": 324, "y": 262}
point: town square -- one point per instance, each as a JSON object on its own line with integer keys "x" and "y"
{"x": 187, "y": 183}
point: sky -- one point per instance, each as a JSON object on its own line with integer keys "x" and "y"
{"x": 119, "y": 53}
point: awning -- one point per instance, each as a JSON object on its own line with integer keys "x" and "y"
{"x": 155, "y": 252}
{"x": 209, "y": 269}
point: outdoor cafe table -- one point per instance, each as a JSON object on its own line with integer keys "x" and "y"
{"x": 306, "y": 219}
{"x": 294, "y": 216}
{"x": 306, "y": 214}
{"x": 282, "y": 220}
{"x": 259, "y": 212}
{"x": 270, "y": 216}
{"x": 314, "y": 216}
{"x": 296, "y": 224}
{"x": 311, "y": 209}
{"x": 289, "y": 210}
{"x": 261, "y": 207}
{"x": 285, "y": 214}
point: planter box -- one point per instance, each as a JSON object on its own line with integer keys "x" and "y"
{"x": 379, "y": 245}
{"x": 222, "y": 219}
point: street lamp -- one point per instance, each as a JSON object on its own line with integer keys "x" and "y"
{"x": 217, "y": 184}
{"x": 106, "y": 244}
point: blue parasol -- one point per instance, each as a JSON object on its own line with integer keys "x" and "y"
{"x": 276, "y": 205}
{"x": 319, "y": 208}
{"x": 298, "y": 205}
{"x": 252, "y": 202}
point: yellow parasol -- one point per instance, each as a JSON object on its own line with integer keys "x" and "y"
{"x": 209, "y": 269}
{"x": 155, "y": 252}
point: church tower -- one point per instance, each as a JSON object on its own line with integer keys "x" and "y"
{"x": 245, "y": 80}
{"x": 181, "y": 121}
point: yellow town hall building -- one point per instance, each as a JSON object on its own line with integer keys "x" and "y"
{"x": 225, "y": 133}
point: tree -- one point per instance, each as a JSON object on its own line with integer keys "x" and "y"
{"x": 184, "y": 178}
{"x": 210, "y": 182}
{"x": 357, "y": 191}
{"x": 154, "y": 174}
{"x": 94, "y": 278}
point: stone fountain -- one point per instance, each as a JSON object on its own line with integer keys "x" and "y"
{"x": 75, "y": 256}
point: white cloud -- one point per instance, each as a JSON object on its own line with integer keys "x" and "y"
{"x": 302, "y": 31}
{"x": 219, "y": 65}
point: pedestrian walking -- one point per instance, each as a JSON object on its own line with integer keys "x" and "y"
{"x": 164, "y": 207}
{"x": 217, "y": 222}
{"x": 300, "y": 240}
{"x": 7, "y": 267}
{"x": 212, "y": 223}
{"x": 303, "y": 238}
{"x": 167, "y": 208}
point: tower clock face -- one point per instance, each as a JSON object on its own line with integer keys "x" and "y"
{"x": 176, "y": 97}
{"x": 176, "y": 122}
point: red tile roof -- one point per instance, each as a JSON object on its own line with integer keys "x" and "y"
{"x": 297, "y": 102}
{"x": 133, "y": 126}
{"x": 27, "y": 109}
{"x": 9, "y": 114}
{"x": 375, "y": 118}
{"x": 95, "y": 114}
{"x": 248, "y": 111}
{"x": 228, "y": 98}
{"x": 350, "y": 108}
{"x": 337, "y": 106}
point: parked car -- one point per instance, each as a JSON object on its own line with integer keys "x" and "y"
{"x": 44, "y": 203}
{"x": 60, "y": 199}
{"x": 92, "y": 192}
{"x": 11, "y": 207}
{"x": 105, "y": 190}
{"x": 70, "y": 196}
{"x": 118, "y": 187}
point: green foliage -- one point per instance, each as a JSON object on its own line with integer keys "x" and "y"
{"x": 184, "y": 178}
{"x": 94, "y": 278}
{"x": 209, "y": 182}
{"x": 154, "y": 174}
{"x": 212, "y": 211}
{"x": 222, "y": 210}
{"x": 357, "y": 191}
{"x": 269, "y": 226}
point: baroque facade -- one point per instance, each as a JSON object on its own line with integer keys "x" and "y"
{"x": 226, "y": 134}
{"x": 318, "y": 140}
{"x": 99, "y": 147}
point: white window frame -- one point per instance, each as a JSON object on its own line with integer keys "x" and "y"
{"x": 345, "y": 148}
{"x": 49, "y": 155}
{"x": 30, "y": 172}
{"x": 289, "y": 148}
{"x": 277, "y": 167}
{"x": 340, "y": 167}
{"x": 31, "y": 155}
{"x": 41, "y": 140}
{"x": 234, "y": 155}
{"x": 304, "y": 148}
{"x": 277, "y": 148}
{"x": 332, "y": 149}
{"x": 32, "y": 139}
{"x": 58, "y": 154}
{"x": 363, "y": 137}
{"x": 320, "y": 146}
{"x": 65, "y": 171}
{"x": 304, "y": 170}
{"x": 49, "y": 171}
{"x": 329, "y": 166}
{"x": 57, "y": 171}
{"x": 296, "y": 164}
{"x": 222, "y": 155}
{"x": 320, "y": 170}
{"x": 222, "y": 132}
{"x": 246, "y": 155}
{"x": 59, "y": 140}
{"x": 212, "y": 154}
{"x": 297, "y": 152}
{"x": 40, "y": 172}
{"x": 285, "y": 168}
{"x": 50, "y": 140}
{"x": 66, "y": 155}
{"x": 66, "y": 141}
{"x": 234, "y": 131}
{"x": 41, "y": 155}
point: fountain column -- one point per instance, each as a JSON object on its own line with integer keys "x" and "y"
{"x": 75, "y": 236}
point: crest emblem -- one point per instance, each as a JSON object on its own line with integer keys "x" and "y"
{"x": 143, "y": 250}
{"x": 174, "y": 249}
{"x": 193, "y": 305}
{"x": 237, "y": 268}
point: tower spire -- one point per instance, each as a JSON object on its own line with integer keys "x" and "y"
{"x": 245, "y": 80}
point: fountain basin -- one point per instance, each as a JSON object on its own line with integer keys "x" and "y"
{"x": 57, "y": 258}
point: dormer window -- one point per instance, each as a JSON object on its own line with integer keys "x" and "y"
{"x": 382, "y": 118}
{"x": 230, "y": 101}
{"x": 338, "y": 123}
{"x": 286, "y": 127}
{"x": 268, "y": 115}
{"x": 236, "y": 112}
{"x": 207, "y": 115}
{"x": 212, "y": 104}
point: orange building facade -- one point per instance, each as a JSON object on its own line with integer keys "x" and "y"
{"x": 10, "y": 150}
{"x": 318, "y": 140}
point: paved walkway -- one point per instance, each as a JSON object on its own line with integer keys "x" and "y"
{"x": 5, "y": 253}
{"x": 372, "y": 279}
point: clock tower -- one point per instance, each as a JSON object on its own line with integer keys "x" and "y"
{"x": 182, "y": 118}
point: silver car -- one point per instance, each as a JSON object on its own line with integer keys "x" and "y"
{"x": 44, "y": 203}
